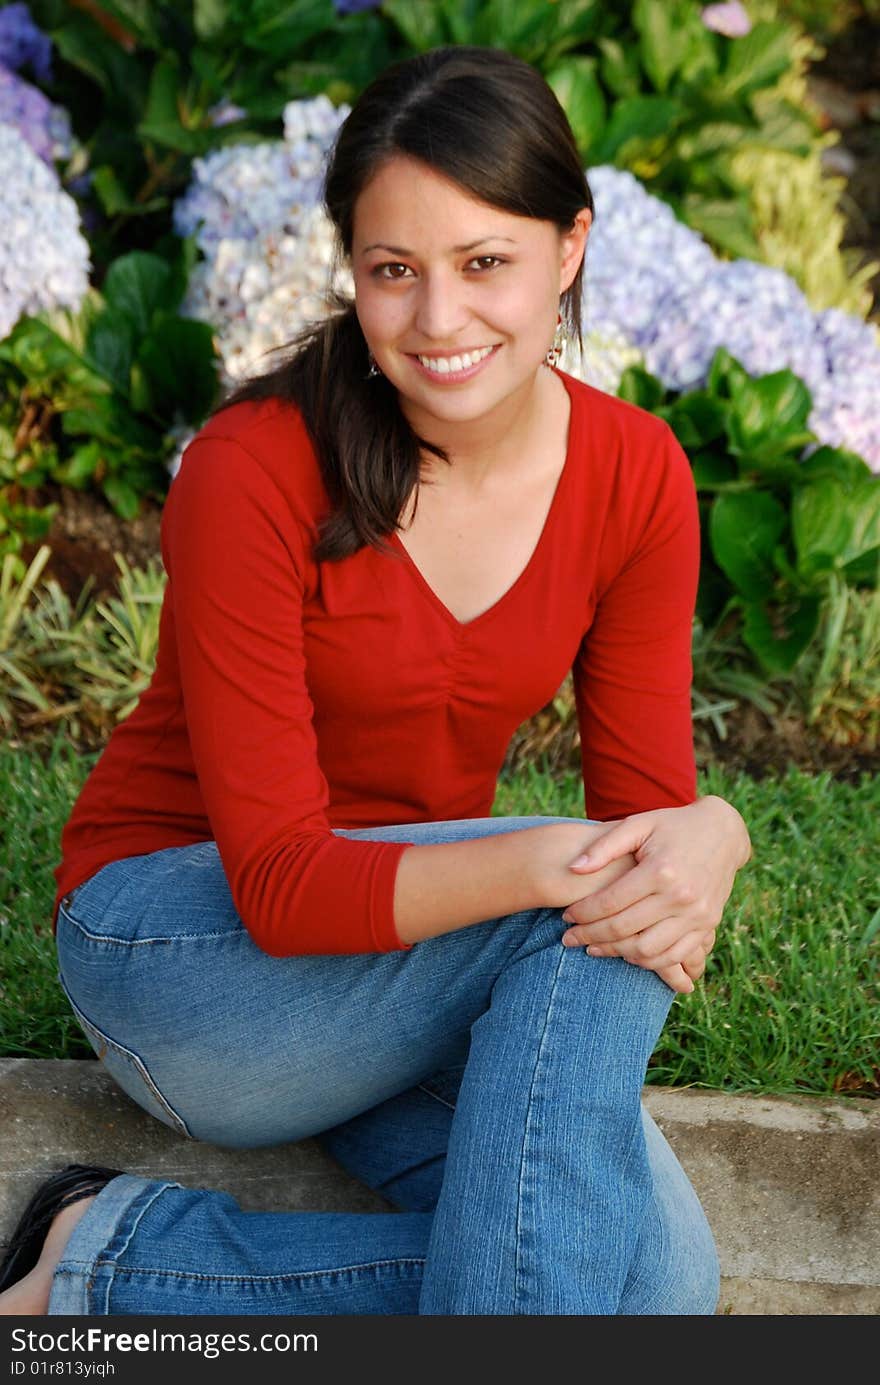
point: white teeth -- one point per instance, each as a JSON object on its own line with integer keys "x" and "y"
{"x": 443, "y": 365}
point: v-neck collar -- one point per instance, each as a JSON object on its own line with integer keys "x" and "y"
{"x": 574, "y": 426}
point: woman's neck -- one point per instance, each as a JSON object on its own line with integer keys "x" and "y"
{"x": 500, "y": 444}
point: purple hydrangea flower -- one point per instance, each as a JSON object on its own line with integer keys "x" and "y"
{"x": 45, "y": 127}
{"x": 22, "y": 43}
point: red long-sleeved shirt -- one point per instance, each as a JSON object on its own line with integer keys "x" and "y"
{"x": 291, "y": 697}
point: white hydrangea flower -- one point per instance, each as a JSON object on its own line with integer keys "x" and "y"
{"x": 256, "y": 213}
{"x": 44, "y": 258}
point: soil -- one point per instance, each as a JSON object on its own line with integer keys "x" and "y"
{"x": 85, "y": 534}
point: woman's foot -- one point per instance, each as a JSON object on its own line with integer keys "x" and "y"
{"x": 29, "y": 1297}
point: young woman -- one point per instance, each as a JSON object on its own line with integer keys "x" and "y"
{"x": 283, "y": 907}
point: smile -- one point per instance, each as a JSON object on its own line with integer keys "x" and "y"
{"x": 453, "y": 368}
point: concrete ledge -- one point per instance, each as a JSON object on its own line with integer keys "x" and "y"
{"x": 789, "y": 1186}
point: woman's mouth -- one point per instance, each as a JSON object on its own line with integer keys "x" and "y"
{"x": 452, "y": 369}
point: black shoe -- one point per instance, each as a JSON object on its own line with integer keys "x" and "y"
{"x": 72, "y": 1183}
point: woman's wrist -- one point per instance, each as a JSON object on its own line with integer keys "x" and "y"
{"x": 739, "y": 833}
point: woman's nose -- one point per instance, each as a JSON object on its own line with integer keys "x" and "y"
{"x": 441, "y": 312}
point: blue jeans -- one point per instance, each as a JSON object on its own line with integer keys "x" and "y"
{"x": 487, "y": 1082}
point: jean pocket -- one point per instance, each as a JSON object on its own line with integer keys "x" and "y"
{"x": 128, "y": 1071}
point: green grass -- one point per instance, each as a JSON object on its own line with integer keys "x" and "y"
{"x": 790, "y": 1001}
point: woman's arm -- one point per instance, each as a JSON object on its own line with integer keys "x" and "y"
{"x": 449, "y": 885}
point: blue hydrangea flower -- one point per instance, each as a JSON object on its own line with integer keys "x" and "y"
{"x": 654, "y": 279}
{"x": 23, "y": 44}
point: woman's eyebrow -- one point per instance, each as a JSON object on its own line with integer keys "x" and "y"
{"x": 458, "y": 249}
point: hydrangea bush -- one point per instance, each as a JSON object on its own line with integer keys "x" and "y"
{"x": 653, "y": 278}
{"x": 44, "y": 257}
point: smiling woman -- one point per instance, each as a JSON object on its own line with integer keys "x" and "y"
{"x": 284, "y": 908}
{"x": 440, "y": 317}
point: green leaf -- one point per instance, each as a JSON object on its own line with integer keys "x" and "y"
{"x": 821, "y": 526}
{"x": 109, "y": 419}
{"x": 125, "y": 501}
{"x": 578, "y": 91}
{"x": 110, "y": 347}
{"x": 744, "y": 530}
{"x": 863, "y": 571}
{"x": 786, "y": 127}
{"x": 421, "y": 25}
{"x": 284, "y": 27}
{"x": 577, "y": 22}
{"x": 82, "y": 42}
{"x": 665, "y": 38}
{"x": 725, "y": 372}
{"x": 112, "y": 195}
{"x": 79, "y": 469}
{"x": 137, "y": 286}
{"x": 179, "y": 360}
{"x": 711, "y": 470}
{"x": 138, "y": 17}
{"x": 519, "y": 26}
{"x": 727, "y": 223}
{"x": 637, "y": 118}
{"x": 697, "y": 418}
{"x": 459, "y": 16}
{"x": 162, "y": 119}
{"x": 619, "y": 67}
{"x": 711, "y": 137}
{"x": 210, "y": 18}
{"x": 162, "y": 106}
{"x": 835, "y": 462}
{"x": 758, "y": 59}
{"x": 780, "y": 634}
{"x": 115, "y": 199}
{"x": 767, "y": 411}
{"x": 638, "y": 386}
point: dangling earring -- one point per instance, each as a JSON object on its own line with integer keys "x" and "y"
{"x": 553, "y": 355}
{"x": 374, "y": 369}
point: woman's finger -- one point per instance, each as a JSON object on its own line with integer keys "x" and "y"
{"x": 651, "y": 954}
{"x": 677, "y": 979}
{"x": 643, "y": 913}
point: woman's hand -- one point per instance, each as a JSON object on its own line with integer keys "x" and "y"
{"x": 662, "y": 913}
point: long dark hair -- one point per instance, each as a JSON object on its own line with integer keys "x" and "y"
{"x": 488, "y": 121}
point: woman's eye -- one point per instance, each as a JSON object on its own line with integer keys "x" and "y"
{"x": 492, "y": 260}
{"x": 379, "y": 271}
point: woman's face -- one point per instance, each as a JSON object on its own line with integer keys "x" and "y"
{"x": 457, "y": 300}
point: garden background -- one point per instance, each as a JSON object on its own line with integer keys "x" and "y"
{"x": 161, "y": 231}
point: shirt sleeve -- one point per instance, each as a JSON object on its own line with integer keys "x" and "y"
{"x": 234, "y": 557}
{"x": 633, "y": 671}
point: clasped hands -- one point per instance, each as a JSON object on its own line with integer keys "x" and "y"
{"x": 665, "y": 878}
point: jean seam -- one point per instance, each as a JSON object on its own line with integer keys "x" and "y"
{"x": 450, "y": 1105}
{"x": 136, "y": 1216}
{"x": 518, "y": 1274}
{"x": 129, "y": 1056}
{"x": 115, "y": 941}
{"x": 73, "y": 1267}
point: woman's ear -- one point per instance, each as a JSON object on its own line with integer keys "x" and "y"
{"x": 573, "y": 243}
